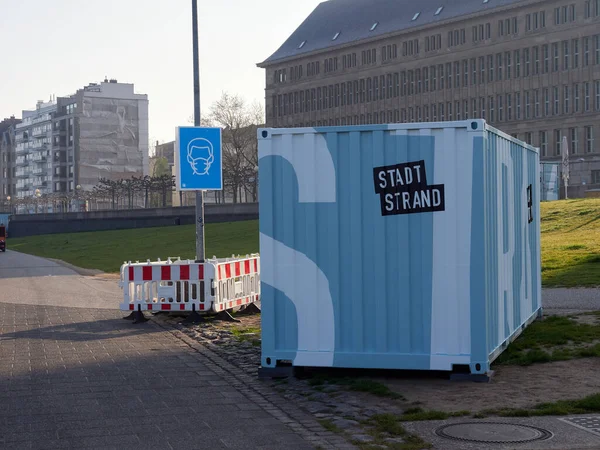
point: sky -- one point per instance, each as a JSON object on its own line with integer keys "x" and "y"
{"x": 54, "y": 47}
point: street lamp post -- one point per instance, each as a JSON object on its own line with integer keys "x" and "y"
{"x": 199, "y": 194}
{"x": 77, "y": 194}
{"x": 38, "y": 194}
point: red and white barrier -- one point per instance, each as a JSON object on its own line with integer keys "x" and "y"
{"x": 238, "y": 283}
{"x": 216, "y": 285}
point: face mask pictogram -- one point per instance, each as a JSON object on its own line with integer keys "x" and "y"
{"x": 200, "y": 156}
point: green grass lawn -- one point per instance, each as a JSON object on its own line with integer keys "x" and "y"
{"x": 107, "y": 250}
{"x": 570, "y": 244}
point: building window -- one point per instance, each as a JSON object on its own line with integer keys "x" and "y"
{"x": 567, "y": 100}
{"x": 546, "y": 56}
{"x": 546, "y": 102}
{"x": 481, "y": 70}
{"x": 555, "y": 110}
{"x": 500, "y": 108}
{"x": 557, "y": 142}
{"x": 508, "y": 107}
{"x": 474, "y": 108}
{"x": 517, "y": 63}
{"x": 586, "y": 51}
{"x": 490, "y": 68}
{"x": 595, "y": 176}
{"x": 597, "y": 49}
{"x": 597, "y": 83}
{"x": 586, "y": 97}
{"x": 543, "y": 143}
{"x": 499, "y": 64}
{"x": 441, "y": 73}
{"x": 419, "y": 81}
{"x": 508, "y": 57}
{"x": 589, "y": 139}
{"x": 482, "y": 107}
{"x": 433, "y": 73}
{"x": 518, "y": 105}
{"x": 425, "y": 79}
{"x": 466, "y": 109}
{"x": 575, "y": 53}
{"x": 457, "y": 110}
{"x": 566, "y": 55}
{"x": 576, "y": 97}
{"x": 574, "y": 141}
{"x": 466, "y": 73}
{"x": 536, "y": 102}
{"x": 457, "y": 74}
{"x": 396, "y": 84}
{"x": 555, "y": 57}
{"x": 442, "y": 115}
{"x": 527, "y": 106}
{"x": 527, "y": 62}
{"x": 528, "y": 22}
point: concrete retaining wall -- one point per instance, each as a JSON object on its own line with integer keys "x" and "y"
{"x": 37, "y": 224}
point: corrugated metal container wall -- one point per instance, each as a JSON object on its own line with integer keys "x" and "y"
{"x": 409, "y": 246}
{"x": 4, "y": 218}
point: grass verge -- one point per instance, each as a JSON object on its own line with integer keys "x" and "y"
{"x": 571, "y": 243}
{"x": 586, "y": 405}
{"x": 106, "y": 250}
{"x": 250, "y": 334}
{"x": 555, "y": 338}
{"x": 356, "y": 385}
{"x": 419, "y": 414}
{"x": 384, "y": 428}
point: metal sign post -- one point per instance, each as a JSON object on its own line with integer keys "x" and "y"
{"x": 199, "y": 194}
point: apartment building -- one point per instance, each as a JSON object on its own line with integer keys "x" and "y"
{"x": 7, "y": 159}
{"x": 99, "y": 132}
{"x": 529, "y": 67}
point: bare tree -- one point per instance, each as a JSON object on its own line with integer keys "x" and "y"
{"x": 240, "y": 146}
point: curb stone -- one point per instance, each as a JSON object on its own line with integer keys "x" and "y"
{"x": 303, "y": 424}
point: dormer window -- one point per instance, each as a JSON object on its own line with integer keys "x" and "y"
{"x": 337, "y": 35}
{"x": 374, "y": 26}
{"x": 302, "y": 44}
{"x": 416, "y": 16}
{"x": 439, "y": 10}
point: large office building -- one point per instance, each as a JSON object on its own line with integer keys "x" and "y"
{"x": 529, "y": 67}
{"x": 69, "y": 143}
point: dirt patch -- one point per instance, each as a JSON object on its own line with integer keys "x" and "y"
{"x": 511, "y": 387}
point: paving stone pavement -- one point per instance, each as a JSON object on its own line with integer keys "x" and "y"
{"x": 76, "y": 377}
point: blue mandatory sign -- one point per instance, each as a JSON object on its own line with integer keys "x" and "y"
{"x": 198, "y": 153}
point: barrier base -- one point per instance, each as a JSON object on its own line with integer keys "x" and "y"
{"x": 193, "y": 318}
{"x": 224, "y": 316}
{"x": 139, "y": 317}
{"x": 130, "y": 316}
{"x": 249, "y": 310}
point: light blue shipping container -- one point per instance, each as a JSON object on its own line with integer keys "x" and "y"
{"x": 404, "y": 246}
{"x": 4, "y": 218}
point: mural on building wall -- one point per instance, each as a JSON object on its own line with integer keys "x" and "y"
{"x": 109, "y": 140}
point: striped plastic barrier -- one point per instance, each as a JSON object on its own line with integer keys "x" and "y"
{"x": 238, "y": 283}
{"x": 178, "y": 285}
